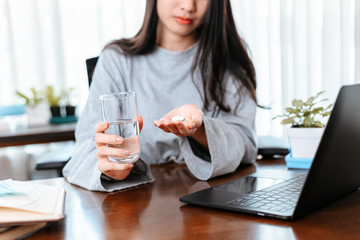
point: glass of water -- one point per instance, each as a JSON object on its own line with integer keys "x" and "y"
{"x": 120, "y": 110}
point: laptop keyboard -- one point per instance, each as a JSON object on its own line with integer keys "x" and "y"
{"x": 280, "y": 197}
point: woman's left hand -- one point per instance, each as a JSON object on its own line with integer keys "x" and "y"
{"x": 193, "y": 120}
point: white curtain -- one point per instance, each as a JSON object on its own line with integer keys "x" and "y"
{"x": 299, "y": 47}
{"x": 46, "y": 42}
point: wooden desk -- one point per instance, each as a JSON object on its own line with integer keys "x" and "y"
{"x": 42, "y": 134}
{"x": 153, "y": 211}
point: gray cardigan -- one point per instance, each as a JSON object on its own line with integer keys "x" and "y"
{"x": 162, "y": 81}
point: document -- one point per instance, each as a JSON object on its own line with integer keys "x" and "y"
{"x": 23, "y": 202}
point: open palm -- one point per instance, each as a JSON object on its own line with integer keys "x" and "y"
{"x": 193, "y": 118}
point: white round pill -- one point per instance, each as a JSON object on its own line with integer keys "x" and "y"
{"x": 176, "y": 118}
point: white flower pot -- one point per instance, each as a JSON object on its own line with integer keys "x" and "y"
{"x": 38, "y": 115}
{"x": 304, "y": 141}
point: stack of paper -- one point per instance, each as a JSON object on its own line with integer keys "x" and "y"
{"x": 27, "y": 203}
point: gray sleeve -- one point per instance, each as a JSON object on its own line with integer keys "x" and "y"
{"x": 231, "y": 140}
{"x": 82, "y": 168}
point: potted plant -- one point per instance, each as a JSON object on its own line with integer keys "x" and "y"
{"x": 54, "y": 101}
{"x": 69, "y": 107}
{"x": 307, "y": 125}
{"x": 36, "y": 109}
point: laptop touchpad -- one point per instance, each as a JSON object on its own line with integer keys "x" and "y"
{"x": 247, "y": 184}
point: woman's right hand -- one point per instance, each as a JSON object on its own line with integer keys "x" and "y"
{"x": 111, "y": 169}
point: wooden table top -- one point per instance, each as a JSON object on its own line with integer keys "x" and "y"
{"x": 39, "y": 134}
{"x": 153, "y": 211}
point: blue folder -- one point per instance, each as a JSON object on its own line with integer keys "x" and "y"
{"x": 302, "y": 163}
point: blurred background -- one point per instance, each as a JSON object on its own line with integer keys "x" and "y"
{"x": 299, "y": 47}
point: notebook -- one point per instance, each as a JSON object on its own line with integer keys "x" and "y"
{"x": 23, "y": 202}
{"x": 334, "y": 173}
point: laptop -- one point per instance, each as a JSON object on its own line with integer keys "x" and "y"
{"x": 334, "y": 173}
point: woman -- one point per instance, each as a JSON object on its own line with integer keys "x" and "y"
{"x": 187, "y": 60}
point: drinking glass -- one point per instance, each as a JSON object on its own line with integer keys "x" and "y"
{"x": 120, "y": 110}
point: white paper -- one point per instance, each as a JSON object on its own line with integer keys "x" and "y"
{"x": 28, "y": 196}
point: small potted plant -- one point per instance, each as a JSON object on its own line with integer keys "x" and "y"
{"x": 54, "y": 101}
{"x": 36, "y": 109}
{"x": 307, "y": 125}
{"x": 69, "y": 107}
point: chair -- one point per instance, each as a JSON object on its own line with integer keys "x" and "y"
{"x": 271, "y": 147}
{"x": 57, "y": 159}
{"x": 90, "y": 66}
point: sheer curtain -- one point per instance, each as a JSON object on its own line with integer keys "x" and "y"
{"x": 46, "y": 42}
{"x": 299, "y": 47}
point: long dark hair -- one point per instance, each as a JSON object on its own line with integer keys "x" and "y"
{"x": 220, "y": 49}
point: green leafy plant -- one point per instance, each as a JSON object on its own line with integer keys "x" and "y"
{"x": 53, "y": 98}
{"x": 35, "y": 98}
{"x": 306, "y": 113}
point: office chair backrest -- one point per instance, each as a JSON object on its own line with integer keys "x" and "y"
{"x": 90, "y": 66}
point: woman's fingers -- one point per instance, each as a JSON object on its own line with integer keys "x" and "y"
{"x": 102, "y": 139}
{"x": 101, "y": 127}
{"x": 105, "y": 165}
{"x": 112, "y": 150}
{"x": 141, "y": 122}
{"x": 182, "y": 128}
{"x": 109, "y": 145}
{"x": 179, "y": 128}
{"x": 173, "y": 128}
{"x": 160, "y": 124}
{"x": 114, "y": 170}
{"x": 99, "y": 130}
{"x": 196, "y": 120}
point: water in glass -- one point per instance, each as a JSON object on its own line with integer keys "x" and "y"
{"x": 129, "y": 130}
